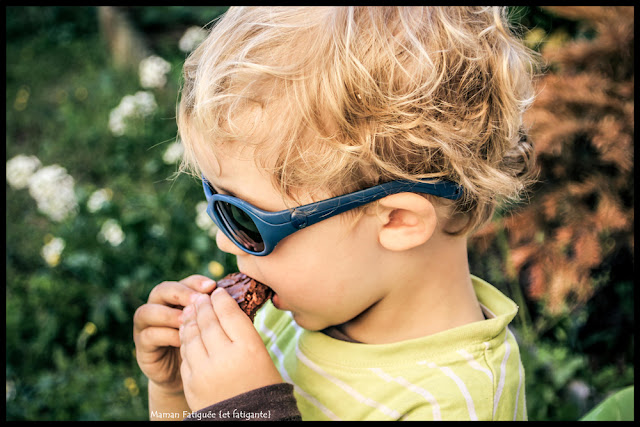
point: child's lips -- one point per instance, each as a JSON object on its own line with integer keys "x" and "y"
{"x": 275, "y": 299}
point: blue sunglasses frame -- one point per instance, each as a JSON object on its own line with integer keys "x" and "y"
{"x": 275, "y": 226}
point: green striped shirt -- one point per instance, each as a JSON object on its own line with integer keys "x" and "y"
{"x": 472, "y": 372}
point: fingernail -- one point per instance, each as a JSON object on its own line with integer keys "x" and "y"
{"x": 207, "y": 284}
{"x": 218, "y": 290}
{"x": 202, "y": 298}
{"x": 194, "y": 297}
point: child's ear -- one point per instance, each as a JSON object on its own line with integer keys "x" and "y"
{"x": 408, "y": 221}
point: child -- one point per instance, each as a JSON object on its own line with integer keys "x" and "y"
{"x": 414, "y": 116}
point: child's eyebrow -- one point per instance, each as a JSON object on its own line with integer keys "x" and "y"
{"x": 238, "y": 195}
{"x": 220, "y": 190}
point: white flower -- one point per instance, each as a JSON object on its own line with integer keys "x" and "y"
{"x": 203, "y": 220}
{"x": 111, "y": 232}
{"x": 20, "y": 169}
{"x": 145, "y": 103}
{"x": 192, "y": 38}
{"x": 11, "y": 390}
{"x": 153, "y": 70}
{"x": 579, "y": 390}
{"x": 140, "y": 105}
{"x": 98, "y": 199}
{"x": 157, "y": 230}
{"x": 173, "y": 153}
{"x": 52, "y": 250}
{"x": 53, "y": 190}
{"x": 116, "y": 122}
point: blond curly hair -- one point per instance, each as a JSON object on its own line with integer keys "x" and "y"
{"x": 365, "y": 95}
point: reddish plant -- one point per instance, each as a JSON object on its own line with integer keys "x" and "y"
{"x": 580, "y": 215}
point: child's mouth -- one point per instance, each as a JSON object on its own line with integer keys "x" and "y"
{"x": 275, "y": 299}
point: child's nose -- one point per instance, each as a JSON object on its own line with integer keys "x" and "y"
{"x": 226, "y": 245}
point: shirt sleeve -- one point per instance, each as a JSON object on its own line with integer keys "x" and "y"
{"x": 270, "y": 403}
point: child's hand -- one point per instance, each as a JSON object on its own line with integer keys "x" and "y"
{"x": 155, "y": 330}
{"x": 222, "y": 353}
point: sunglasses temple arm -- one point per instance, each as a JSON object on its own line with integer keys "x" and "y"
{"x": 322, "y": 210}
{"x": 319, "y": 211}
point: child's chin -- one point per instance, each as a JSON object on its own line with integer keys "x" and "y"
{"x": 307, "y": 323}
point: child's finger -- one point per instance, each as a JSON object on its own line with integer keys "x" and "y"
{"x": 199, "y": 283}
{"x": 188, "y": 314}
{"x": 148, "y": 315}
{"x": 212, "y": 333}
{"x": 183, "y": 354}
{"x": 192, "y": 348}
{"x": 174, "y": 294}
{"x": 185, "y": 368}
{"x": 234, "y": 322}
{"x": 180, "y": 293}
{"x": 170, "y": 293}
{"x": 152, "y": 338}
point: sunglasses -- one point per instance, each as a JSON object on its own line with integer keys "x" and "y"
{"x": 257, "y": 232}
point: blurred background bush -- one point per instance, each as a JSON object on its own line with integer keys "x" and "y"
{"x": 96, "y": 215}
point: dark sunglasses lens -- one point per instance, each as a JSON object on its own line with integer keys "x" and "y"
{"x": 241, "y": 226}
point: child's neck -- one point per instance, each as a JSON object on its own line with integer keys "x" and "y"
{"x": 432, "y": 292}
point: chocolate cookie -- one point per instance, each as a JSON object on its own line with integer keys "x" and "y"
{"x": 248, "y": 293}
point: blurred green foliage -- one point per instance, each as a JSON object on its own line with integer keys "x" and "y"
{"x": 69, "y": 346}
{"x": 70, "y": 352}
